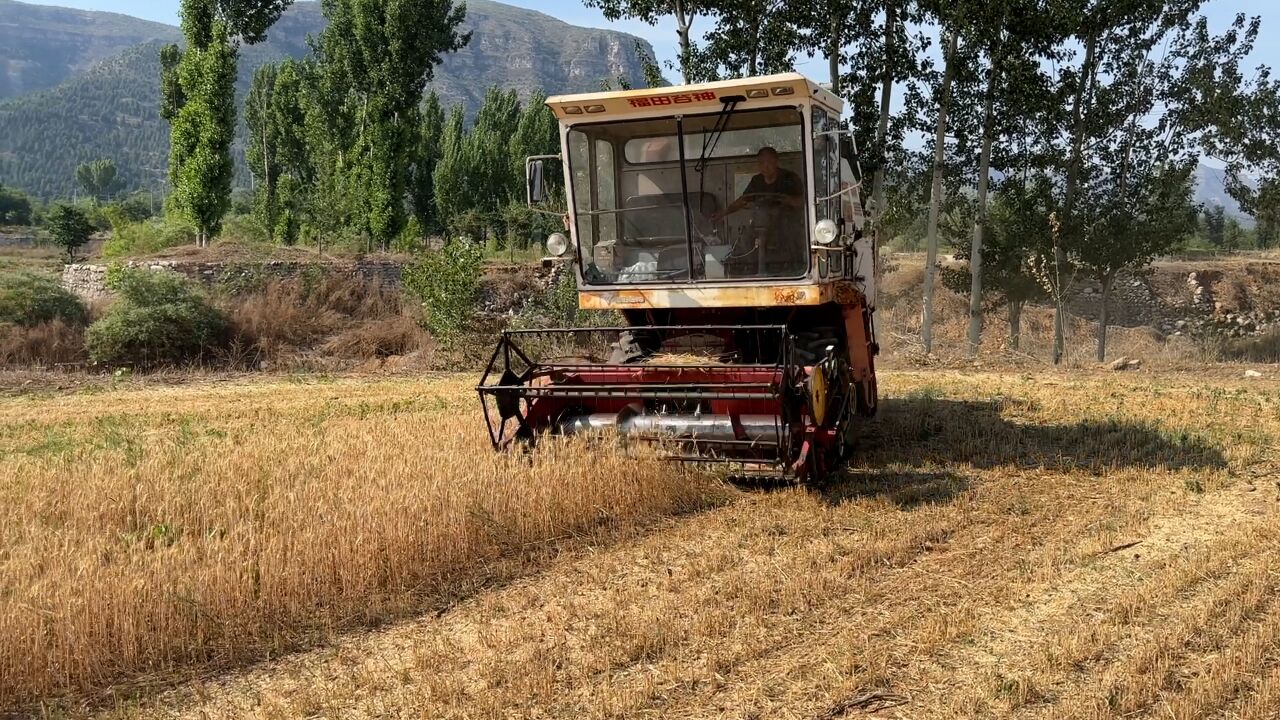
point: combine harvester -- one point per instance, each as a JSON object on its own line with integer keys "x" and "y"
{"x": 723, "y": 224}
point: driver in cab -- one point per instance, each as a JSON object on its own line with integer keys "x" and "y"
{"x": 772, "y": 182}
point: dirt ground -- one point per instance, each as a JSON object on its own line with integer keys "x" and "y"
{"x": 1009, "y": 544}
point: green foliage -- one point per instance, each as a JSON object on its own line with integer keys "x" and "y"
{"x": 245, "y": 229}
{"x": 29, "y": 299}
{"x": 375, "y": 60}
{"x": 109, "y": 109}
{"x": 525, "y": 228}
{"x": 99, "y": 179}
{"x": 452, "y": 184}
{"x": 411, "y": 239}
{"x": 200, "y": 165}
{"x": 480, "y": 178}
{"x": 557, "y": 306}
{"x": 277, "y": 153}
{"x": 157, "y": 318}
{"x": 146, "y": 237}
{"x": 1215, "y": 226}
{"x": 198, "y": 99}
{"x": 1133, "y": 217}
{"x": 134, "y": 208}
{"x": 69, "y": 227}
{"x": 15, "y": 208}
{"x": 446, "y": 283}
{"x": 470, "y": 226}
{"x": 430, "y": 136}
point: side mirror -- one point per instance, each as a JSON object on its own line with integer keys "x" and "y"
{"x": 537, "y": 188}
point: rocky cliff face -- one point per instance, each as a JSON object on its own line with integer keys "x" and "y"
{"x": 110, "y": 109}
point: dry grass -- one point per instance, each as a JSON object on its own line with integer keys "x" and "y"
{"x": 899, "y": 322}
{"x": 980, "y": 561}
{"x": 47, "y": 344}
{"x": 150, "y": 530}
{"x": 398, "y": 335}
{"x": 1264, "y": 348}
{"x": 237, "y": 251}
{"x": 288, "y": 316}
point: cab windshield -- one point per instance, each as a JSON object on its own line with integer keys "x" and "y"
{"x": 711, "y": 197}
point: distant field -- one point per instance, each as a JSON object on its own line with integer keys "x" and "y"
{"x": 1061, "y": 545}
{"x": 15, "y": 259}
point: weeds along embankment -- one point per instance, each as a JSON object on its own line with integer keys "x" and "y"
{"x": 151, "y": 530}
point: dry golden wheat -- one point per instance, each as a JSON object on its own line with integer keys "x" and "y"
{"x": 977, "y": 562}
{"x": 1006, "y": 545}
{"x": 146, "y": 530}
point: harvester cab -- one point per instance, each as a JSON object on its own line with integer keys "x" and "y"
{"x": 720, "y": 231}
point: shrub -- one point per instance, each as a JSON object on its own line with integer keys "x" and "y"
{"x": 300, "y": 312}
{"x": 143, "y": 238}
{"x": 135, "y": 208}
{"x": 245, "y": 229}
{"x": 28, "y": 299}
{"x": 411, "y": 239}
{"x": 557, "y": 306}
{"x": 15, "y": 207}
{"x": 446, "y": 282}
{"x": 157, "y": 318}
{"x": 285, "y": 314}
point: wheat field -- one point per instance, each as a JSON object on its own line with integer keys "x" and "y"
{"x": 144, "y": 532}
{"x": 1051, "y": 545}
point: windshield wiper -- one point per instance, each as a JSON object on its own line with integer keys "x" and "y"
{"x": 711, "y": 140}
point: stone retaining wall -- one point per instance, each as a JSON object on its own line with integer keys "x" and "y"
{"x": 17, "y": 238}
{"x": 1133, "y": 303}
{"x": 89, "y": 280}
{"x": 1136, "y": 302}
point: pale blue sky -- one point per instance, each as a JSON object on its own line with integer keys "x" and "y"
{"x": 1220, "y": 13}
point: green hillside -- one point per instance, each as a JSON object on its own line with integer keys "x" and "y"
{"x": 110, "y": 110}
{"x": 41, "y": 46}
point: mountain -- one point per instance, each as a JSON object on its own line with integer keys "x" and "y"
{"x": 109, "y": 109}
{"x": 41, "y": 47}
{"x": 1211, "y": 191}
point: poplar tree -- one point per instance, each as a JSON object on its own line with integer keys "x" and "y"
{"x": 198, "y": 99}
{"x": 277, "y": 151}
{"x": 378, "y": 56}
{"x": 430, "y": 138}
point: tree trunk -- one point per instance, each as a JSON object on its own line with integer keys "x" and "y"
{"x": 1069, "y": 197}
{"x": 980, "y": 222}
{"x": 833, "y": 54}
{"x": 886, "y": 97}
{"x": 683, "y": 24}
{"x": 1108, "y": 282}
{"x": 1015, "y": 324}
{"x": 935, "y": 198}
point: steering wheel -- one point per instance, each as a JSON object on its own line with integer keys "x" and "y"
{"x": 767, "y": 198}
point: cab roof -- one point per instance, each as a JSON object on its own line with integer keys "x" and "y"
{"x": 765, "y": 91}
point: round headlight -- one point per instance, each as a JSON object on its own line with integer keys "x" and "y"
{"x": 825, "y": 232}
{"x": 557, "y": 244}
